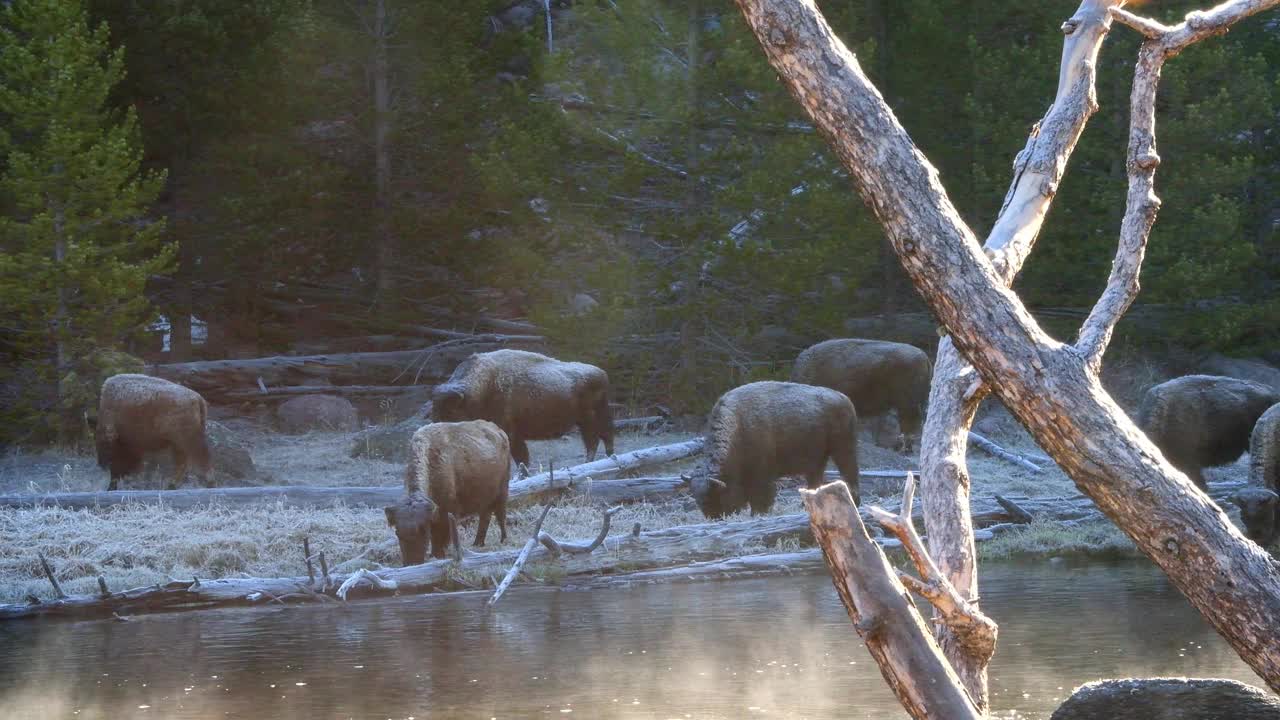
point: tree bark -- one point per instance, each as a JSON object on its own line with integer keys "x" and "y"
{"x": 1051, "y": 388}
{"x": 881, "y": 611}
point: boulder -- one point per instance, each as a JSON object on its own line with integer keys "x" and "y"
{"x": 317, "y": 412}
{"x": 1169, "y": 699}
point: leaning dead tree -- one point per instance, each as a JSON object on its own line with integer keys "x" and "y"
{"x": 1052, "y": 388}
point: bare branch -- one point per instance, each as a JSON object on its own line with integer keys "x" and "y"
{"x": 521, "y": 558}
{"x": 1141, "y": 204}
{"x": 557, "y": 548}
{"x": 48, "y": 573}
{"x": 1145, "y": 26}
{"x": 974, "y": 629}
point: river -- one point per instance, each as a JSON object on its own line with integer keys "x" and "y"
{"x": 768, "y": 648}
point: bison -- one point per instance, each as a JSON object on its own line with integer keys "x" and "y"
{"x": 1201, "y": 421}
{"x": 877, "y": 375}
{"x": 762, "y": 431}
{"x": 529, "y": 396}
{"x": 138, "y": 414}
{"x": 1258, "y": 501}
{"x": 458, "y": 468}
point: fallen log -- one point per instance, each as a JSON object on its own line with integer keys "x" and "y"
{"x": 534, "y": 487}
{"x": 673, "y": 546}
{"x": 995, "y": 450}
{"x": 639, "y": 424}
{"x": 347, "y": 391}
{"x": 214, "y": 379}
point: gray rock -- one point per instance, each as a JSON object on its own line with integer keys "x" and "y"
{"x": 582, "y": 304}
{"x": 316, "y": 412}
{"x": 1168, "y": 699}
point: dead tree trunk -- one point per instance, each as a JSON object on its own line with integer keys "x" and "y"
{"x": 1052, "y": 388}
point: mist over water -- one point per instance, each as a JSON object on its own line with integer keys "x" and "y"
{"x": 779, "y": 647}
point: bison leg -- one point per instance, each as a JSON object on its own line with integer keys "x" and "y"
{"x": 180, "y": 464}
{"x": 590, "y": 441}
{"x": 202, "y": 461}
{"x": 124, "y": 461}
{"x": 500, "y": 510}
{"x": 845, "y": 454}
{"x": 520, "y": 454}
{"x": 482, "y": 529}
{"x": 604, "y": 423}
{"x": 761, "y": 495}
{"x": 439, "y": 533}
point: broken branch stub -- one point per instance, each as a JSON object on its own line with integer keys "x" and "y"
{"x": 894, "y": 632}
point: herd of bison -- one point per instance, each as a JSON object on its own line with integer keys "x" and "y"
{"x": 494, "y": 402}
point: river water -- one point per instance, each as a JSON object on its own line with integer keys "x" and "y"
{"x": 770, "y": 648}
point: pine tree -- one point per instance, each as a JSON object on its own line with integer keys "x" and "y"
{"x": 77, "y": 248}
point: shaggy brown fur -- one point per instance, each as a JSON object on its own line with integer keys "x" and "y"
{"x": 529, "y": 396}
{"x": 454, "y": 468}
{"x": 1201, "y": 421}
{"x": 138, "y": 414}
{"x": 762, "y": 431}
{"x": 1258, "y": 501}
{"x": 878, "y": 376}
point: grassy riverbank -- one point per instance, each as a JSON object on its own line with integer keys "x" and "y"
{"x": 135, "y": 545}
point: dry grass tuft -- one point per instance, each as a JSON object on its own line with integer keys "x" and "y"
{"x": 1047, "y": 539}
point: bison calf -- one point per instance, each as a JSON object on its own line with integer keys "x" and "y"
{"x": 138, "y": 414}
{"x": 529, "y": 396}
{"x": 878, "y": 376}
{"x": 1201, "y": 421}
{"x": 1258, "y": 501}
{"x": 762, "y": 431}
{"x": 454, "y": 468}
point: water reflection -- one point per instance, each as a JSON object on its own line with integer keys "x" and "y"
{"x": 769, "y": 648}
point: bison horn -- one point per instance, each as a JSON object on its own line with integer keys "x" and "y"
{"x": 718, "y": 483}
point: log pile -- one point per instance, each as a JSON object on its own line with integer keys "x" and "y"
{"x": 231, "y": 381}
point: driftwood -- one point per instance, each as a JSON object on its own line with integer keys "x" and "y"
{"x": 747, "y": 566}
{"x": 216, "y": 379}
{"x": 995, "y": 450}
{"x": 639, "y": 424}
{"x": 347, "y": 391}
{"x": 662, "y": 548}
{"x": 532, "y": 488}
{"x": 520, "y": 559}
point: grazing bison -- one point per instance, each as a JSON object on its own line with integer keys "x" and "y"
{"x": 762, "y": 431}
{"x": 1258, "y": 501}
{"x": 529, "y": 396}
{"x": 138, "y": 414}
{"x": 454, "y": 468}
{"x": 1201, "y": 421}
{"x": 878, "y": 376}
